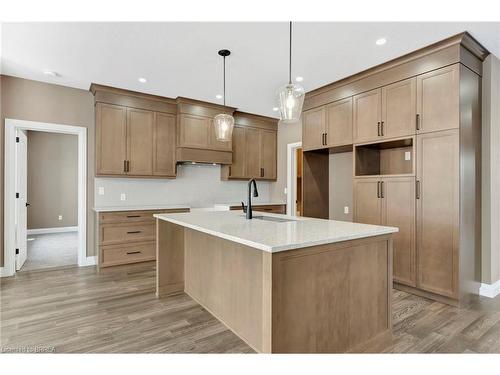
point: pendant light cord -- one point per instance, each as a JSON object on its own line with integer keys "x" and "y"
{"x": 290, "y": 57}
{"x": 224, "y": 80}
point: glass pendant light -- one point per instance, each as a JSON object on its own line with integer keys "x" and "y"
{"x": 290, "y": 96}
{"x": 224, "y": 123}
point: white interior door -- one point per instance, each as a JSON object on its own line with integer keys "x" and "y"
{"x": 22, "y": 190}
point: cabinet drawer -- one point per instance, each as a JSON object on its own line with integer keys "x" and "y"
{"x": 277, "y": 209}
{"x": 129, "y": 253}
{"x": 135, "y": 216}
{"x": 124, "y": 233}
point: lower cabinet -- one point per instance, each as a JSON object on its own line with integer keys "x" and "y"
{"x": 127, "y": 236}
{"x": 391, "y": 201}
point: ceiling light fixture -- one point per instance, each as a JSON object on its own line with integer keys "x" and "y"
{"x": 224, "y": 123}
{"x": 381, "y": 41}
{"x": 50, "y": 73}
{"x": 290, "y": 96}
{"x": 299, "y": 79}
{"x": 142, "y": 80}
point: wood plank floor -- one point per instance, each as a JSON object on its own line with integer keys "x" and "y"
{"x": 75, "y": 310}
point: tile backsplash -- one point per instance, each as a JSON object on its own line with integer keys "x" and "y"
{"x": 197, "y": 185}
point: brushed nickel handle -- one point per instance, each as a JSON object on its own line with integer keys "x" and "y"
{"x": 417, "y": 189}
{"x": 133, "y": 252}
{"x": 417, "y": 121}
{"x": 134, "y": 232}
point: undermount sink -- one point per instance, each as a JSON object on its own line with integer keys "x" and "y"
{"x": 271, "y": 218}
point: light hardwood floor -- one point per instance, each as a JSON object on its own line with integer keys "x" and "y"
{"x": 115, "y": 310}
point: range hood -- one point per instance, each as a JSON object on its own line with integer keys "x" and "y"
{"x": 189, "y": 155}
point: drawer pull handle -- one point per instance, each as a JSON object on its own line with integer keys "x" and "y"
{"x": 134, "y": 232}
{"x": 133, "y": 252}
{"x": 133, "y": 216}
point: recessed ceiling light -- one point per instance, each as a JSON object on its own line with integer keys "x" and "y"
{"x": 381, "y": 41}
{"x": 275, "y": 109}
{"x": 218, "y": 96}
{"x": 299, "y": 79}
{"x": 142, "y": 80}
{"x": 50, "y": 73}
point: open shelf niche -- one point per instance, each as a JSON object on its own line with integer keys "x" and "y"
{"x": 388, "y": 158}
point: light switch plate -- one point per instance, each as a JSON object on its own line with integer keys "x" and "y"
{"x": 407, "y": 155}
{"x": 284, "y": 191}
{"x": 101, "y": 190}
{"x": 123, "y": 197}
{"x": 346, "y": 209}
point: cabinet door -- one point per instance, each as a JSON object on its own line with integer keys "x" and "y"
{"x": 237, "y": 168}
{"x": 252, "y": 162}
{"x": 339, "y": 123}
{"x": 398, "y": 210}
{"x": 164, "y": 145}
{"x": 140, "y": 142}
{"x": 399, "y": 109}
{"x": 193, "y": 131}
{"x": 367, "y": 116}
{"x": 438, "y": 212}
{"x": 213, "y": 143}
{"x": 367, "y": 204}
{"x": 313, "y": 128}
{"x": 111, "y": 142}
{"x": 268, "y": 154}
{"x": 438, "y": 99}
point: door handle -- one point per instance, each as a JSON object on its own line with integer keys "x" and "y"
{"x": 382, "y": 189}
{"x": 417, "y": 121}
{"x": 27, "y": 204}
{"x": 378, "y": 128}
{"x": 382, "y": 128}
{"x": 378, "y": 189}
{"x": 417, "y": 189}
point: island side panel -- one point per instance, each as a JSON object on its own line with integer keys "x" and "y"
{"x": 332, "y": 298}
{"x": 232, "y": 282}
{"x": 169, "y": 258}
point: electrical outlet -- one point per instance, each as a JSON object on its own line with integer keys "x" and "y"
{"x": 123, "y": 197}
{"x": 101, "y": 190}
{"x": 346, "y": 209}
{"x": 59, "y": 217}
{"x": 407, "y": 155}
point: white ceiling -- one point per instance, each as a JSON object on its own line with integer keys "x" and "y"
{"x": 180, "y": 59}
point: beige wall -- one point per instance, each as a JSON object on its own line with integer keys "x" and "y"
{"x": 36, "y": 101}
{"x": 340, "y": 186}
{"x": 491, "y": 171}
{"x": 52, "y": 180}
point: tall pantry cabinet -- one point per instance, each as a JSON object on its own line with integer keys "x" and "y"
{"x": 416, "y": 129}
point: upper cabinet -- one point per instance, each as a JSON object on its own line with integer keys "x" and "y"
{"x": 328, "y": 126}
{"x": 367, "y": 116}
{"x": 196, "y": 141}
{"x": 438, "y": 96}
{"x": 254, "y": 148}
{"x": 135, "y": 134}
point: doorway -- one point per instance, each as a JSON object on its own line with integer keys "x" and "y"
{"x": 294, "y": 179}
{"x": 16, "y": 246}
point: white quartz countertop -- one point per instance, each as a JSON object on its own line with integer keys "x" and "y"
{"x": 140, "y": 208}
{"x": 228, "y": 205}
{"x": 274, "y": 236}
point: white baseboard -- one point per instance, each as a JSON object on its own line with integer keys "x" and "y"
{"x": 52, "y": 230}
{"x": 4, "y": 272}
{"x": 490, "y": 290}
{"x": 88, "y": 261}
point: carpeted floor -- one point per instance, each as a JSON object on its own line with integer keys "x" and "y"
{"x": 51, "y": 250}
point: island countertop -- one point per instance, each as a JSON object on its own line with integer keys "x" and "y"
{"x": 272, "y": 236}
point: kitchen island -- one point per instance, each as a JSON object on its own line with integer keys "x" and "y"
{"x": 282, "y": 284}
